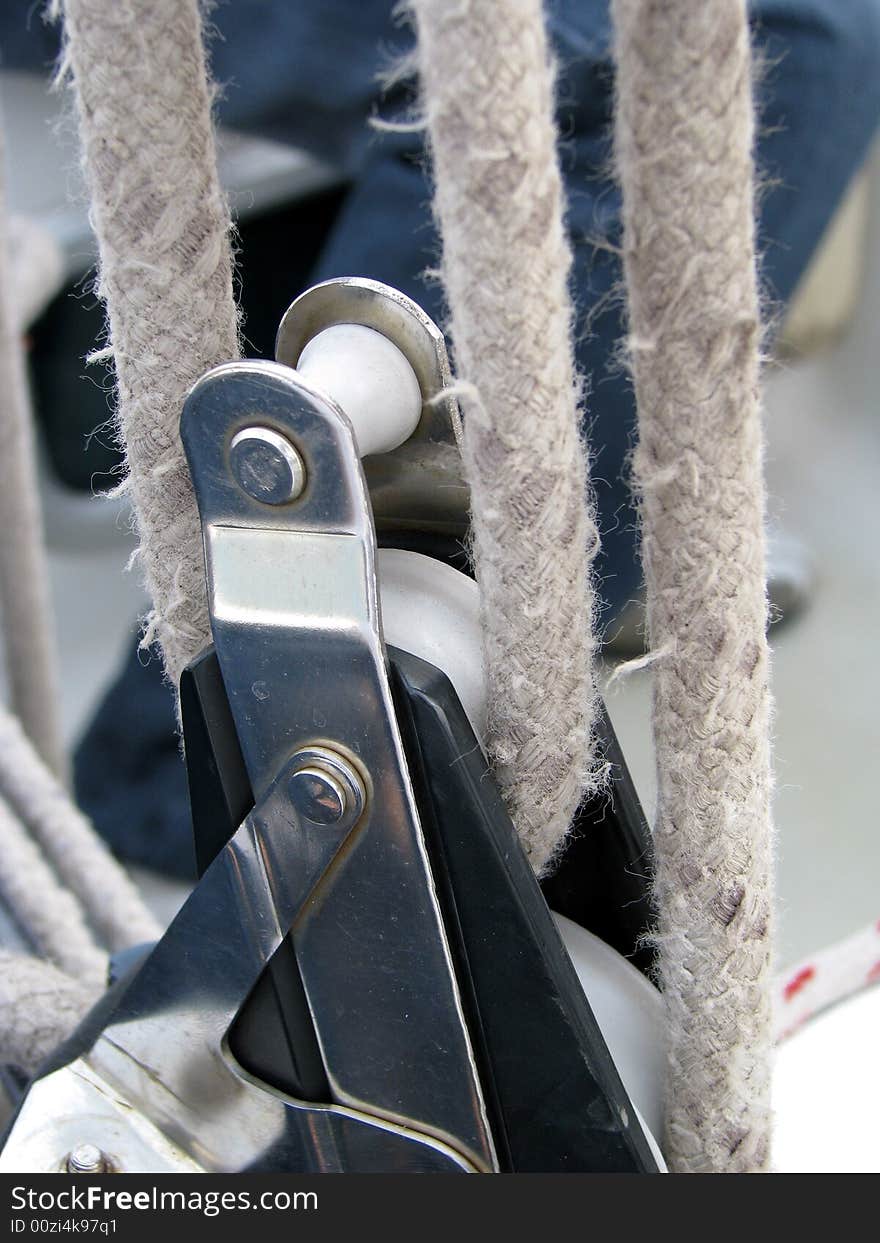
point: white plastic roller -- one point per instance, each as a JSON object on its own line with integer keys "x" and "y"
{"x": 370, "y": 379}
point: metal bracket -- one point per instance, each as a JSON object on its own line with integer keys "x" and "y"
{"x": 418, "y": 486}
{"x": 292, "y": 591}
{"x": 290, "y": 549}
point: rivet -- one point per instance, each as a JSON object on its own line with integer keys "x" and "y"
{"x": 325, "y": 788}
{"x": 266, "y": 465}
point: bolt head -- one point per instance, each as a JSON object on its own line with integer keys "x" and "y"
{"x": 325, "y": 788}
{"x": 317, "y": 796}
{"x": 87, "y": 1159}
{"x": 266, "y": 466}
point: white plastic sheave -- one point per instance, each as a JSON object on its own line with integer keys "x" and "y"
{"x": 433, "y": 611}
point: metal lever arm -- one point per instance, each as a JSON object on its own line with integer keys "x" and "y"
{"x": 293, "y": 601}
{"x": 296, "y": 626}
{"x": 160, "y": 1091}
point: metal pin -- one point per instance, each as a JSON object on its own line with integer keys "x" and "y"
{"x": 266, "y": 465}
{"x": 325, "y": 788}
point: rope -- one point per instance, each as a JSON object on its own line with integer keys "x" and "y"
{"x": 825, "y": 978}
{"x": 488, "y": 97}
{"x": 49, "y": 915}
{"x": 143, "y": 102}
{"x": 28, "y": 642}
{"x": 39, "y": 1007}
{"x": 684, "y": 135}
{"x": 37, "y": 268}
{"x": 109, "y": 899}
{"x": 40, "y": 1004}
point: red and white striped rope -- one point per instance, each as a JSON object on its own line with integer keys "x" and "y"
{"x": 825, "y": 978}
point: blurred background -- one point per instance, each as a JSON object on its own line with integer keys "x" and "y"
{"x": 293, "y": 201}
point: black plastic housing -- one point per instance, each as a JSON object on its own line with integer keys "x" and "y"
{"x": 555, "y": 1099}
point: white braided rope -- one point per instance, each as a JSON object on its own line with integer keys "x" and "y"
{"x": 81, "y": 860}
{"x": 39, "y": 1003}
{"x": 825, "y": 978}
{"x": 28, "y": 639}
{"x": 48, "y": 914}
{"x": 684, "y": 134}
{"x": 143, "y": 105}
{"x": 40, "y": 1006}
{"x": 487, "y": 88}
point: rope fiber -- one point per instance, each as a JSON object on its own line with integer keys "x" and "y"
{"x": 143, "y": 102}
{"x": 111, "y": 902}
{"x": 40, "y": 1006}
{"x": 487, "y": 94}
{"x": 684, "y": 134}
{"x": 28, "y": 640}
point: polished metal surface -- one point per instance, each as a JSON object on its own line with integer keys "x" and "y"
{"x": 55, "y": 1111}
{"x": 266, "y": 466}
{"x": 295, "y": 617}
{"x": 325, "y": 787}
{"x": 296, "y": 624}
{"x": 317, "y": 796}
{"x": 159, "y": 1090}
{"x": 419, "y": 484}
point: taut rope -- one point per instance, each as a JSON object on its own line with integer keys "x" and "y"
{"x": 28, "y": 641}
{"x": 684, "y": 139}
{"x": 487, "y": 89}
{"x": 112, "y": 903}
{"x": 39, "y": 1007}
{"x": 162, "y": 224}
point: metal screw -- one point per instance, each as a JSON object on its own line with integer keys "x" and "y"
{"x": 266, "y": 465}
{"x": 88, "y": 1159}
{"x": 325, "y": 788}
